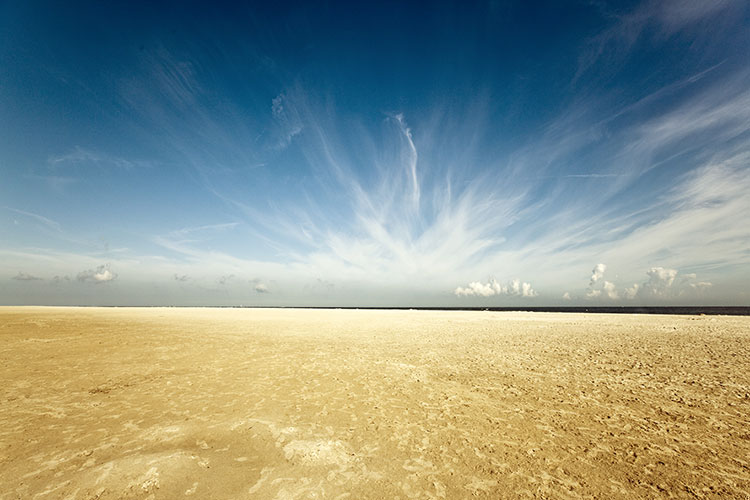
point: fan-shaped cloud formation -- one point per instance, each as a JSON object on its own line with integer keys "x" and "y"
{"x": 390, "y": 190}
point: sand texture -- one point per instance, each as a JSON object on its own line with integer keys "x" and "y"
{"x": 295, "y": 404}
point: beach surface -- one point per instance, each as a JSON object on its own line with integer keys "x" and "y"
{"x": 107, "y": 403}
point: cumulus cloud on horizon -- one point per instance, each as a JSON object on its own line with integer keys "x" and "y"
{"x": 223, "y": 280}
{"x": 607, "y": 289}
{"x": 101, "y": 274}
{"x": 597, "y": 273}
{"x": 514, "y": 288}
{"x": 21, "y": 276}
{"x": 261, "y": 288}
{"x": 662, "y": 283}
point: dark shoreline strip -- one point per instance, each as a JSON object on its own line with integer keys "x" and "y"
{"x": 677, "y": 310}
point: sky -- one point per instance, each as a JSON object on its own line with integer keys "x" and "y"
{"x": 375, "y": 154}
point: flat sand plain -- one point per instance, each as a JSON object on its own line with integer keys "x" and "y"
{"x": 275, "y": 403}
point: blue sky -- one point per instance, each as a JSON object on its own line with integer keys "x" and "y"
{"x": 491, "y": 153}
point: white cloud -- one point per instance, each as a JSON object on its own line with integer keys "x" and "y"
{"x": 49, "y": 223}
{"x": 663, "y": 284}
{"x": 261, "y": 288}
{"x": 659, "y": 282}
{"x": 514, "y": 288}
{"x": 607, "y": 288}
{"x": 411, "y": 158}
{"x": 223, "y": 280}
{"x": 597, "y": 273}
{"x": 610, "y": 290}
{"x": 287, "y": 121}
{"x": 566, "y": 296}
{"x": 632, "y": 292}
{"x": 101, "y": 274}
{"x": 701, "y": 285}
{"x": 21, "y": 276}
{"x": 368, "y": 232}
{"x": 83, "y": 156}
{"x": 417, "y": 204}
{"x": 658, "y": 20}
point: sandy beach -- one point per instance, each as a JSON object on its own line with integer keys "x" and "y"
{"x": 105, "y": 403}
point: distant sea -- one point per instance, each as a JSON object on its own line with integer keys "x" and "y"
{"x": 686, "y": 310}
{"x": 683, "y": 310}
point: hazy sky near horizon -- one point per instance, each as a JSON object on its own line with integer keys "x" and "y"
{"x": 334, "y": 153}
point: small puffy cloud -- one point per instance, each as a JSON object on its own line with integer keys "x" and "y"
{"x": 566, "y": 296}
{"x": 688, "y": 285}
{"x": 514, "y": 288}
{"x": 101, "y": 274}
{"x": 223, "y": 280}
{"x": 259, "y": 286}
{"x": 607, "y": 288}
{"x": 181, "y": 277}
{"x": 610, "y": 290}
{"x": 476, "y": 288}
{"x": 659, "y": 282}
{"x": 663, "y": 283}
{"x": 632, "y": 292}
{"x": 597, "y": 274}
{"x": 56, "y": 280}
{"x": 25, "y": 277}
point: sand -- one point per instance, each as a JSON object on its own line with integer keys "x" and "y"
{"x": 284, "y": 404}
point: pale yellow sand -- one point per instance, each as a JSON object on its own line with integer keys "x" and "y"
{"x": 221, "y": 403}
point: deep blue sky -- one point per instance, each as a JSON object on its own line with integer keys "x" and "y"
{"x": 495, "y": 153}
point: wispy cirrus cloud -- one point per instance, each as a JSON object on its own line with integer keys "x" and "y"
{"x": 418, "y": 222}
{"x": 391, "y": 195}
{"x": 79, "y": 156}
{"x": 44, "y": 221}
{"x": 656, "y": 19}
